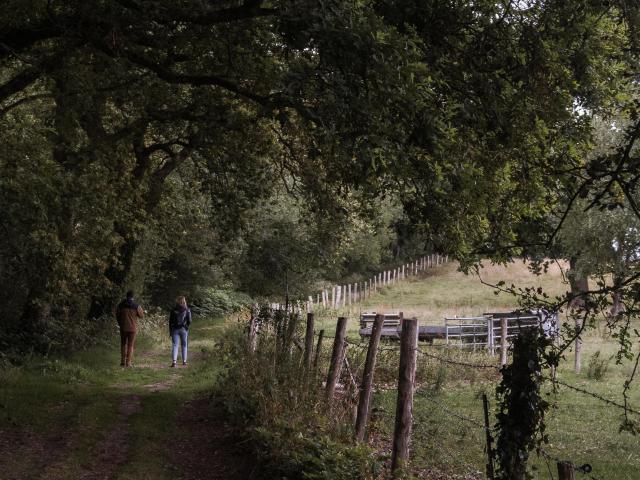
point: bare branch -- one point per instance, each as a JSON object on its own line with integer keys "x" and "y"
{"x": 21, "y": 101}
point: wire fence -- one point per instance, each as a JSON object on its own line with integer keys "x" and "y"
{"x": 449, "y": 411}
{"x": 596, "y": 396}
{"x": 457, "y": 362}
{"x": 455, "y": 416}
{"x": 452, "y": 436}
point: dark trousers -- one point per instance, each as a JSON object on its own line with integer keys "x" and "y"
{"x": 127, "y": 341}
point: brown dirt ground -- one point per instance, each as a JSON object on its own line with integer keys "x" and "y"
{"x": 205, "y": 448}
{"x": 25, "y": 453}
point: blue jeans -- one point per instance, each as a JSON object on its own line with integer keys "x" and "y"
{"x": 179, "y": 336}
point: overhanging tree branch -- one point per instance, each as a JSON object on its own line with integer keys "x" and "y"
{"x": 273, "y": 101}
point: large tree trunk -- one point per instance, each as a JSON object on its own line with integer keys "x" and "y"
{"x": 617, "y": 305}
{"x": 579, "y": 285}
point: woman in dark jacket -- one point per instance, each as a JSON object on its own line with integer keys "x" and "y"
{"x": 179, "y": 322}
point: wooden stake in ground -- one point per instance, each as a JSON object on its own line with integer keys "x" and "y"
{"x": 566, "y": 471}
{"x": 503, "y": 341}
{"x": 308, "y": 341}
{"x": 364, "y": 402}
{"x": 404, "y": 406}
{"x": 337, "y": 356}
{"x": 253, "y": 329}
{"x": 292, "y": 324}
{"x": 318, "y": 348}
{"x": 487, "y": 429}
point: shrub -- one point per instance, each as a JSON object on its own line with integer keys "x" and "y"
{"x": 216, "y": 302}
{"x": 282, "y": 412}
{"x": 597, "y": 366}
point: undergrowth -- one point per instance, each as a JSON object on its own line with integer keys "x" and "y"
{"x": 280, "y": 407}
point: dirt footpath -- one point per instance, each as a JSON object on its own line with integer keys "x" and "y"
{"x": 205, "y": 448}
{"x": 200, "y": 447}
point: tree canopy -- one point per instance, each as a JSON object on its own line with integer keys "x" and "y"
{"x": 136, "y": 130}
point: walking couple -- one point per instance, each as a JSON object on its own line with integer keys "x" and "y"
{"x": 127, "y": 314}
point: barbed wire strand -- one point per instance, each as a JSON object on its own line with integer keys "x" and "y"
{"x": 473, "y": 469}
{"x": 452, "y": 413}
{"x": 584, "y": 469}
{"x": 457, "y": 362}
{"x": 546, "y": 461}
{"x": 596, "y": 396}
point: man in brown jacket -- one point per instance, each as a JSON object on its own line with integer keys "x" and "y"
{"x": 127, "y": 314}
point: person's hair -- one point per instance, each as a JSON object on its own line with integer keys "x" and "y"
{"x": 181, "y": 300}
{"x": 130, "y": 294}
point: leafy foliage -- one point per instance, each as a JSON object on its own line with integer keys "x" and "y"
{"x": 521, "y": 406}
{"x": 212, "y": 302}
{"x": 142, "y": 137}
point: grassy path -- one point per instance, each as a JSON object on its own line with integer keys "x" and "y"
{"x": 88, "y": 418}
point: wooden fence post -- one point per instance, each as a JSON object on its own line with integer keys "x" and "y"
{"x": 364, "y": 402}
{"x": 503, "y": 341}
{"x": 487, "y": 429}
{"x": 253, "y": 329}
{"x": 308, "y": 341}
{"x": 578, "y": 358}
{"x": 404, "y": 406}
{"x": 292, "y": 324}
{"x": 318, "y": 348}
{"x": 337, "y": 358}
{"x": 566, "y": 471}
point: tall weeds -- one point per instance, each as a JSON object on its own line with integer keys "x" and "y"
{"x": 281, "y": 408}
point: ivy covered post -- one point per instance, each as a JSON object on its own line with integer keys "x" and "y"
{"x": 521, "y": 407}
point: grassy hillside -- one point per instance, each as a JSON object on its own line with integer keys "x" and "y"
{"x": 443, "y": 291}
{"x": 581, "y": 428}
